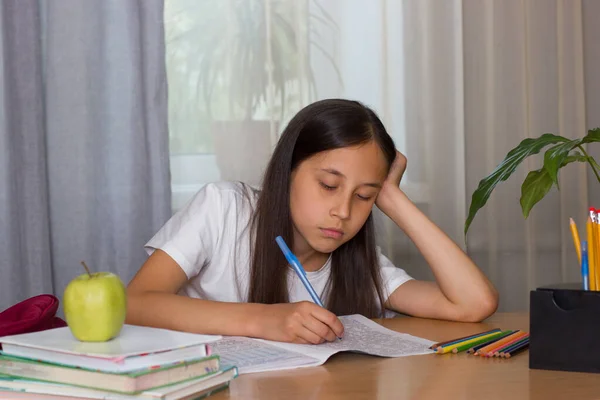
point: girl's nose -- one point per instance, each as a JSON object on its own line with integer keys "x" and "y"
{"x": 342, "y": 207}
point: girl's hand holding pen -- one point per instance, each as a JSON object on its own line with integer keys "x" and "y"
{"x": 303, "y": 322}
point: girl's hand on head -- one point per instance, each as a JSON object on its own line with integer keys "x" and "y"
{"x": 396, "y": 170}
{"x": 303, "y": 323}
{"x": 392, "y": 182}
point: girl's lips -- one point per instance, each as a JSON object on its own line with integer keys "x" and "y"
{"x": 332, "y": 233}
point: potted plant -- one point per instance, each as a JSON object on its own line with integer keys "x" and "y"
{"x": 248, "y": 60}
{"x": 562, "y": 152}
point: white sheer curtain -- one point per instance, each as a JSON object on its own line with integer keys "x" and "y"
{"x": 458, "y": 83}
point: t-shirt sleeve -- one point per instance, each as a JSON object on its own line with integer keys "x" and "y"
{"x": 191, "y": 235}
{"x": 391, "y": 276}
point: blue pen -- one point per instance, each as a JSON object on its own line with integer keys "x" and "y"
{"x": 295, "y": 263}
{"x": 584, "y": 266}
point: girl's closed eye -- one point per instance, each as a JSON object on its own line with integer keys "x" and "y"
{"x": 326, "y": 186}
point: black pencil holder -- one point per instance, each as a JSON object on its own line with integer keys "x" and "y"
{"x": 564, "y": 328}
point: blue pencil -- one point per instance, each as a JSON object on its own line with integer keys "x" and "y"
{"x": 522, "y": 347}
{"x": 584, "y": 266}
{"x": 513, "y": 346}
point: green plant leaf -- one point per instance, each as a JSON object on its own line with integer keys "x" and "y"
{"x": 593, "y": 135}
{"x": 538, "y": 183}
{"x": 504, "y": 170}
{"x": 555, "y": 156}
{"x": 535, "y": 186}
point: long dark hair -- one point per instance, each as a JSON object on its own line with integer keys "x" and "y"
{"x": 354, "y": 285}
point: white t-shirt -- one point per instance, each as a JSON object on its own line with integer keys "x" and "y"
{"x": 209, "y": 239}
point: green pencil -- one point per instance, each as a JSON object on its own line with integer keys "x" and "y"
{"x": 489, "y": 339}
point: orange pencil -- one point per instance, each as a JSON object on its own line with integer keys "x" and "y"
{"x": 507, "y": 345}
{"x": 594, "y": 273}
{"x": 490, "y": 352}
{"x": 483, "y": 351}
{"x": 591, "y": 247}
{"x": 596, "y": 232}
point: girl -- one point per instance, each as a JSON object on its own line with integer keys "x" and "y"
{"x": 215, "y": 267}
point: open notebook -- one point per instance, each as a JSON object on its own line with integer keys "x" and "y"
{"x": 360, "y": 335}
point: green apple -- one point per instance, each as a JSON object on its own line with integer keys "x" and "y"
{"x": 95, "y": 305}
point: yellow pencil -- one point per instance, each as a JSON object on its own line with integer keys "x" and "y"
{"x": 592, "y": 271}
{"x": 449, "y": 348}
{"x": 591, "y": 249}
{"x": 576, "y": 241}
{"x": 595, "y": 274}
{"x": 596, "y": 236}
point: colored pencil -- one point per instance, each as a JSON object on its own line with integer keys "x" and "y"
{"x": 462, "y": 339}
{"x": 595, "y": 273}
{"x": 449, "y": 348}
{"x": 480, "y": 346}
{"x": 506, "y": 349}
{"x": 585, "y": 265}
{"x": 484, "y": 351}
{"x": 576, "y": 240}
{"x": 594, "y": 267}
{"x": 513, "y": 346}
{"x": 519, "y": 349}
{"x": 510, "y": 344}
{"x": 467, "y": 346}
{"x": 453, "y": 341}
{"x": 591, "y": 249}
{"x": 490, "y": 352}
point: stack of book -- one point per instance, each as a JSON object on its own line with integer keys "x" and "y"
{"x": 141, "y": 363}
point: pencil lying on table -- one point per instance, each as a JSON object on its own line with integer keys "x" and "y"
{"x": 492, "y": 343}
{"x": 457, "y": 340}
{"x": 517, "y": 350}
{"x": 496, "y": 351}
{"x": 513, "y": 346}
{"x": 450, "y": 347}
{"x": 474, "y": 349}
{"x": 490, "y": 348}
{"x": 485, "y": 340}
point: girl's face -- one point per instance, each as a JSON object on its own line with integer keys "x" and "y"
{"x": 332, "y": 194}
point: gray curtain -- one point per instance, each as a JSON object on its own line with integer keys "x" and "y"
{"x": 84, "y": 160}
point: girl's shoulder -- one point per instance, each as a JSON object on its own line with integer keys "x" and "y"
{"x": 223, "y": 195}
{"x": 230, "y": 188}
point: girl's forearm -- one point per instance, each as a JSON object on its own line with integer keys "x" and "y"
{"x": 457, "y": 276}
{"x": 171, "y": 311}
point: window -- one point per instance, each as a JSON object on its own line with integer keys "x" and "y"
{"x": 238, "y": 70}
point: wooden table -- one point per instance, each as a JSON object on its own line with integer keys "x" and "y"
{"x": 452, "y": 376}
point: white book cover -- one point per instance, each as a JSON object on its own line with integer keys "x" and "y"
{"x": 135, "y": 347}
